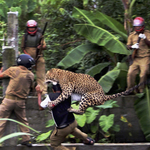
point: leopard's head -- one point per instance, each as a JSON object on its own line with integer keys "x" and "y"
{"x": 52, "y": 76}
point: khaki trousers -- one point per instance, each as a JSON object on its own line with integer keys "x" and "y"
{"x": 40, "y": 74}
{"x": 59, "y": 135}
{"x": 140, "y": 65}
{"x": 18, "y": 106}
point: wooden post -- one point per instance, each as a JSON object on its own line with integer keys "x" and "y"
{"x": 10, "y": 52}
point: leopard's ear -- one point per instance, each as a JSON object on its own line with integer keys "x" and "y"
{"x": 47, "y": 74}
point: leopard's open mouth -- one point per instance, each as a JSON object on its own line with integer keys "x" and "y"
{"x": 48, "y": 81}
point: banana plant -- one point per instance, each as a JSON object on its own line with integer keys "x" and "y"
{"x": 100, "y": 39}
{"x": 142, "y": 109}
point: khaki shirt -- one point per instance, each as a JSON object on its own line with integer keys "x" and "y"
{"x": 143, "y": 50}
{"x": 21, "y": 79}
{"x": 31, "y": 50}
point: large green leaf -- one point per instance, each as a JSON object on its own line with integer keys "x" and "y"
{"x": 111, "y": 23}
{"x": 86, "y": 16}
{"x": 91, "y": 114}
{"x": 108, "y": 79}
{"x": 106, "y": 122}
{"x": 122, "y": 78}
{"x": 101, "y": 37}
{"x": 94, "y": 17}
{"x": 142, "y": 108}
{"x": 13, "y": 135}
{"x": 81, "y": 119}
{"x": 97, "y": 68}
{"x": 76, "y": 55}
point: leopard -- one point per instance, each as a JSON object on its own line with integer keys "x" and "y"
{"x": 87, "y": 86}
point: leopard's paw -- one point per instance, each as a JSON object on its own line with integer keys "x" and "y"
{"x": 70, "y": 109}
{"x": 50, "y": 105}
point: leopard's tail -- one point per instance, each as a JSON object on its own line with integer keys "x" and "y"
{"x": 127, "y": 92}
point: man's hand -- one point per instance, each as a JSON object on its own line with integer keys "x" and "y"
{"x": 38, "y": 90}
{"x": 41, "y": 46}
{"x": 142, "y": 36}
{"x": 135, "y": 46}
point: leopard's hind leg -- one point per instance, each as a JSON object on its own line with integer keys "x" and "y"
{"x": 81, "y": 109}
{"x": 86, "y": 101}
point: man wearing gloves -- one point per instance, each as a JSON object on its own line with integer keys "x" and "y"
{"x": 139, "y": 41}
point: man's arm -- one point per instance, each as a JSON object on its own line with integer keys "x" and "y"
{"x": 147, "y": 42}
{"x": 2, "y": 75}
{"x": 42, "y": 45}
{"x": 39, "y": 93}
{"x": 143, "y": 36}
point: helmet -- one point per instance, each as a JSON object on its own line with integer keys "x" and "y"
{"x": 139, "y": 22}
{"x": 31, "y": 24}
{"x": 26, "y": 61}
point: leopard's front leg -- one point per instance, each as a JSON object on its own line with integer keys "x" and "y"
{"x": 66, "y": 92}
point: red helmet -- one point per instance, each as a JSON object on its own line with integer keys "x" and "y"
{"x": 139, "y": 22}
{"x": 31, "y": 24}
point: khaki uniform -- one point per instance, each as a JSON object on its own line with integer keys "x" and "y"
{"x": 141, "y": 60}
{"x": 40, "y": 65}
{"x": 21, "y": 79}
{"x": 58, "y": 136}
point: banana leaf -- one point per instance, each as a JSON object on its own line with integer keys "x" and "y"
{"x": 122, "y": 78}
{"x": 20, "y": 124}
{"x": 77, "y": 54}
{"x": 13, "y": 135}
{"x": 101, "y": 37}
{"x": 142, "y": 109}
{"x": 94, "y": 17}
{"x": 97, "y": 69}
{"x": 108, "y": 79}
{"x": 119, "y": 74}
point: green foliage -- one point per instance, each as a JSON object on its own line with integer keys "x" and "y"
{"x": 106, "y": 122}
{"x": 108, "y": 104}
{"x": 97, "y": 68}
{"x": 13, "y": 135}
{"x": 43, "y": 136}
{"x": 76, "y": 55}
{"x": 142, "y": 108}
{"x": 20, "y": 124}
{"x": 82, "y": 119}
{"x": 108, "y": 80}
{"x": 99, "y": 19}
{"x": 91, "y": 115}
{"x": 99, "y": 35}
{"x": 50, "y": 123}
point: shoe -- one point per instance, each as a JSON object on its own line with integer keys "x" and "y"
{"x": 27, "y": 143}
{"x": 90, "y": 141}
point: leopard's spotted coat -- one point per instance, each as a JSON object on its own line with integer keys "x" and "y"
{"x": 83, "y": 84}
